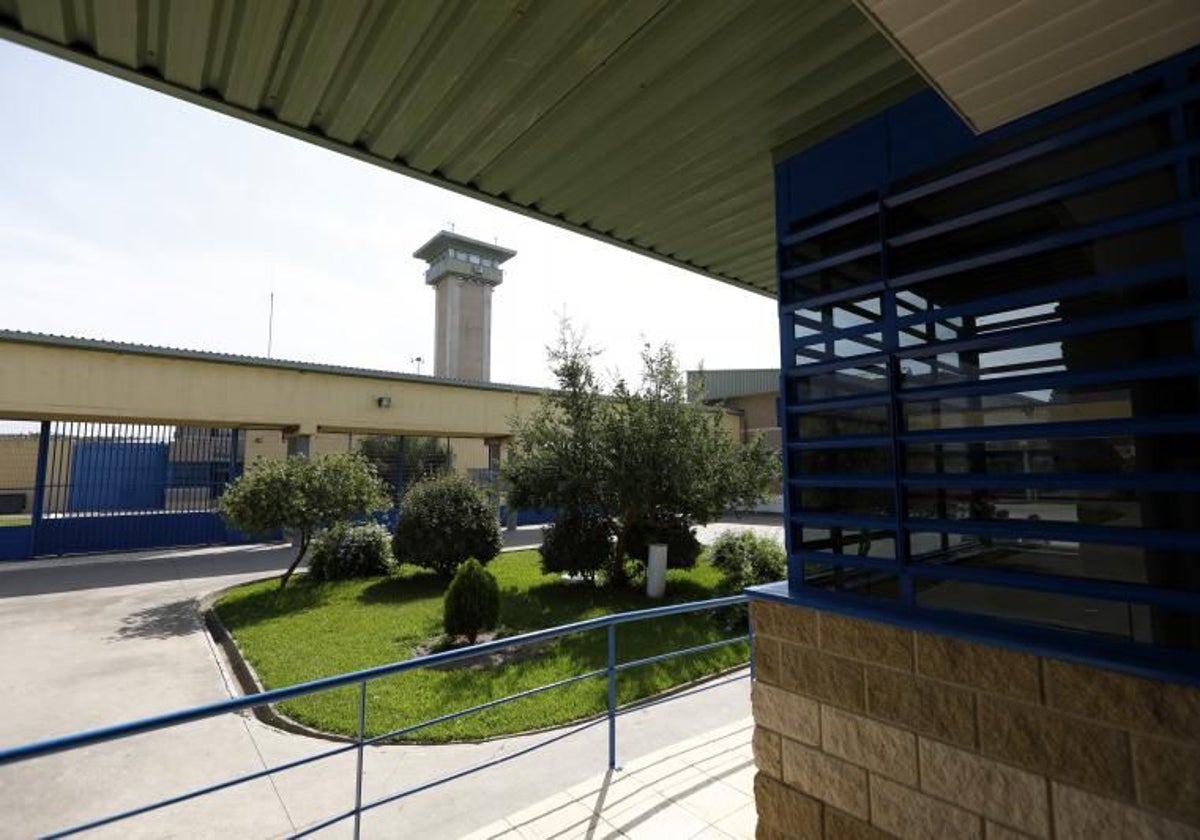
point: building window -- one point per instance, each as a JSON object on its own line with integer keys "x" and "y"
{"x": 993, "y": 365}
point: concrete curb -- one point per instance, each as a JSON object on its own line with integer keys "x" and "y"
{"x": 243, "y": 673}
{"x": 248, "y": 683}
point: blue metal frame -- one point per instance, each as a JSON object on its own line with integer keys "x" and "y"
{"x": 881, "y": 161}
{"x": 102, "y": 487}
{"x": 610, "y": 623}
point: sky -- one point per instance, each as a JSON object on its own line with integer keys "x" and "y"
{"x": 131, "y": 216}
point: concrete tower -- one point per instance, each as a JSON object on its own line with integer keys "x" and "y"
{"x": 463, "y": 271}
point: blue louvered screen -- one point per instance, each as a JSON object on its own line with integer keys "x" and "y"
{"x": 991, "y": 367}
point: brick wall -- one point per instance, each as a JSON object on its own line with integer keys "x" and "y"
{"x": 865, "y": 730}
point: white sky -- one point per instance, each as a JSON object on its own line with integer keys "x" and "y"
{"x": 131, "y": 216}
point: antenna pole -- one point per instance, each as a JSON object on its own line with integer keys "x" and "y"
{"x": 270, "y": 322}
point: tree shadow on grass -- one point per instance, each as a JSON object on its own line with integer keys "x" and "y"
{"x": 562, "y": 602}
{"x": 248, "y": 609}
{"x": 413, "y": 586}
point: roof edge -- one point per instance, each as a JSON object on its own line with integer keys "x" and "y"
{"x": 104, "y": 346}
{"x": 267, "y": 120}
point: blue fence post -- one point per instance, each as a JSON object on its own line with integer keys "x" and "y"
{"x": 612, "y": 697}
{"x": 358, "y": 781}
{"x": 39, "y": 487}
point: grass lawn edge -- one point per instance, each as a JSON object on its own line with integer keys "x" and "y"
{"x": 248, "y": 683}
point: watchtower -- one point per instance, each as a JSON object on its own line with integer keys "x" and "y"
{"x": 464, "y": 272}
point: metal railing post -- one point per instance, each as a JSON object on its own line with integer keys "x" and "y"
{"x": 358, "y": 782}
{"x": 750, "y": 638}
{"x": 361, "y": 678}
{"x": 612, "y": 697}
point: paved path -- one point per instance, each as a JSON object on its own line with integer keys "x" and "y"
{"x": 701, "y": 788}
{"x": 89, "y": 642}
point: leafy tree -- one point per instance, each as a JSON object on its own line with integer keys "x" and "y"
{"x": 302, "y": 496}
{"x": 745, "y": 558}
{"x": 651, "y": 460}
{"x": 343, "y": 551}
{"x": 577, "y": 544}
{"x": 673, "y": 465}
{"x": 443, "y": 521}
{"x": 557, "y": 460}
{"x": 472, "y": 602}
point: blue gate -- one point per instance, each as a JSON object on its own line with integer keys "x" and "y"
{"x": 101, "y": 487}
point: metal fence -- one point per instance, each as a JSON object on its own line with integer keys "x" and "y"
{"x": 361, "y": 679}
{"x": 78, "y": 487}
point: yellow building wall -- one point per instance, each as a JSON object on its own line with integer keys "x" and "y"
{"x": 267, "y": 444}
{"x": 18, "y": 466}
{"x": 52, "y": 382}
{"x": 469, "y": 454}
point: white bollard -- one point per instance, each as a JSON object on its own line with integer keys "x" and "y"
{"x": 656, "y": 571}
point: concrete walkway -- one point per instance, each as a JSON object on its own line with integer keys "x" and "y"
{"x": 90, "y": 642}
{"x": 701, "y": 788}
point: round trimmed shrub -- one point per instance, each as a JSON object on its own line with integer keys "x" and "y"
{"x": 443, "y": 521}
{"x": 745, "y": 558}
{"x": 472, "y": 603}
{"x": 578, "y": 543}
{"x": 350, "y": 551}
{"x": 676, "y": 534}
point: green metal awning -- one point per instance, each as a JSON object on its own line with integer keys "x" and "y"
{"x": 647, "y": 123}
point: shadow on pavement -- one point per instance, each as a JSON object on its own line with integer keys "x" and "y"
{"x": 162, "y": 621}
{"x": 43, "y": 577}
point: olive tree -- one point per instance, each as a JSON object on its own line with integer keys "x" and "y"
{"x": 301, "y": 496}
{"x": 642, "y": 465}
{"x": 673, "y": 465}
{"x": 557, "y": 460}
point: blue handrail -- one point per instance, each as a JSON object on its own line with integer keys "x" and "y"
{"x": 51, "y": 746}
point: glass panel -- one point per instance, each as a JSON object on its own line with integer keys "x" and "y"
{"x": 843, "y": 314}
{"x": 1091, "y": 259}
{"x": 857, "y": 581}
{"x": 839, "y": 239}
{"x": 1032, "y": 134}
{"x": 1152, "y": 189}
{"x": 861, "y": 460}
{"x": 1090, "y": 561}
{"x": 1131, "y": 622}
{"x": 1110, "y": 508}
{"x": 855, "y": 501}
{"x": 855, "y": 542}
{"x": 1169, "y": 453}
{"x": 1129, "y": 143}
{"x": 831, "y": 349}
{"x": 848, "y": 382}
{"x": 1111, "y": 347}
{"x": 1119, "y": 400}
{"x": 872, "y": 420}
{"x": 838, "y": 278}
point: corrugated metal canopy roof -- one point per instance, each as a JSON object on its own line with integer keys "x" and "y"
{"x": 648, "y": 123}
{"x": 1000, "y": 60}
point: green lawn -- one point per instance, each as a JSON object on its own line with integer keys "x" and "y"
{"x": 321, "y": 629}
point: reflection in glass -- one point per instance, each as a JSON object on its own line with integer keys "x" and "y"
{"x": 856, "y": 501}
{"x": 855, "y": 542}
{"x": 848, "y": 382}
{"x": 860, "y": 459}
{"x": 867, "y": 582}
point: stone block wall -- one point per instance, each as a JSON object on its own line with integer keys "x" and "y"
{"x": 866, "y": 730}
